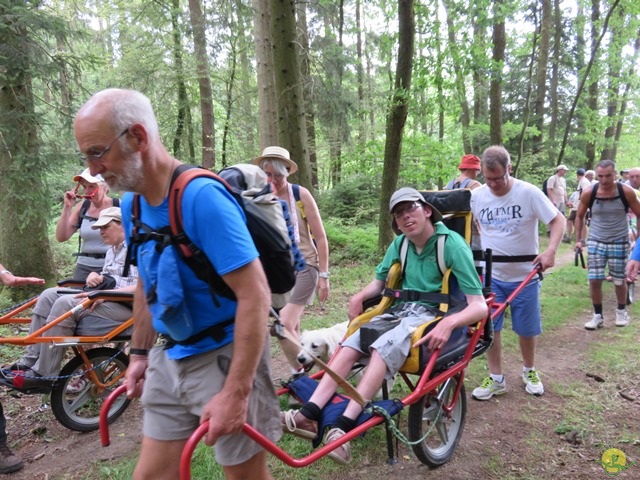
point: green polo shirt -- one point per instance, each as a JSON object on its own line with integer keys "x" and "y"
{"x": 421, "y": 272}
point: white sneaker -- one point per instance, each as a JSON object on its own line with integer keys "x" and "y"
{"x": 622, "y": 318}
{"x": 489, "y": 388}
{"x": 596, "y": 322}
{"x": 532, "y": 380}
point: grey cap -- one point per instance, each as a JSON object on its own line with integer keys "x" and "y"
{"x": 580, "y": 171}
{"x": 408, "y": 194}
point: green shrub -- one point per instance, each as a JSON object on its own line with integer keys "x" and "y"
{"x": 354, "y": 201}
{"x": 351, "y": 244}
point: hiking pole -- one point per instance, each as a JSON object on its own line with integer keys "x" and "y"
{"x": 578, "y": 251}
{"x": 283, "y": 334}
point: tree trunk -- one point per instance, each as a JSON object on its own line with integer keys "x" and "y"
{"x": 308, "y": 91}
{"x": 495, "y": 94}
{"x": 183, "y": 101}
{"x": 480, "y": 106}
{"x": 398, "y": 109}
{"x": 541, "y": 74}
{"x": 465, "y": 117}
{"x": 592, "y": 89}
{"x": 553, "y": 84}
{"x": 267, "y": 101}
{"x": 613, "y": 91}
{"x": 204, "y": 82}
{"x": 584, "y": 80}
{"x": 527, "y": 103}
{"x": 362, "y": 119}
{"x": 291, "y": 117}
{"x": 24, "y": 202}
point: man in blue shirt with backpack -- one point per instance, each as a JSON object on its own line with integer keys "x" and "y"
{"x": 223, "y": 375}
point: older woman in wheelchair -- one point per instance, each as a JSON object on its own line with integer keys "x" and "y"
{"x": 416, "y": 304}
{"x": 36, "y": 371}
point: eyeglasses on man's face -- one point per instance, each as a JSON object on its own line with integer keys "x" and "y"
{"x": 404, "y": 209}
{"x": 96, "y": 157}
{"x": 494, "y": 180}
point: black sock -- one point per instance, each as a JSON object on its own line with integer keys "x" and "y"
{"x": 597, "y": 308}
{"x": 345, "y": 424}
{"x": 311, "y": 411}
{"x": 622, "y": 306}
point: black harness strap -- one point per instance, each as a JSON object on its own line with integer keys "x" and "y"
{"x": 479, "y": 255}
{"x": 215, "y": 331}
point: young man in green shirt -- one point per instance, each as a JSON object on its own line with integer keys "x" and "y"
{"x": 420, "y": 223}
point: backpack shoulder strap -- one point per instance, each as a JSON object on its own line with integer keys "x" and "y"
{"x": 594, "y": 192}
{"x": 449, "y": 185}
{"x": 404, "y": 250}
{"x": 442, "y": 267}
{"x": 82, "y": 215}
{"x": 181, "y": 177}
{"x": 465, "y": 183}
{"x": 116, "y": 202}
{"x": 296, "y": 195}
{"x": 623, "y": 197}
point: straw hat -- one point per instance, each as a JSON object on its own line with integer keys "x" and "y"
{"x": 277, "y": 153}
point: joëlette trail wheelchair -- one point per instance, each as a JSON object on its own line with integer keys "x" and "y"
{"x": 437, "y": 400}
{"x": 87, "y": 379}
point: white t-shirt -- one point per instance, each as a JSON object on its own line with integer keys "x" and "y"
{"x": 584, "y": 184}
{"x": 557, "y": 187}
{"x": 509, "y": 224}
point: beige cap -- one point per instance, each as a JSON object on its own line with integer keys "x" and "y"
{"x": 106, "y": 216}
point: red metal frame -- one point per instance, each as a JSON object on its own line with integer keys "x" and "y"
{"x": 424, "y": 385}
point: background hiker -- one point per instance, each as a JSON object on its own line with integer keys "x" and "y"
{"x": 469, "y": 169}
{"x": 310, "y": 237}
{"x": 81, "y": 215}
{"x": 608, "y": 243}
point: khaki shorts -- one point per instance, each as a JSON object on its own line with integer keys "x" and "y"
{"x": 176, "y": 391}
{"x": 305, "y": 288}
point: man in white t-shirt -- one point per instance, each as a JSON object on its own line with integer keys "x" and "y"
{"x": 507, "y": 211}
{"x": 557, "y": 188}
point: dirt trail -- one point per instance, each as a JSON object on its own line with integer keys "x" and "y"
{"x": 494, "y": 429}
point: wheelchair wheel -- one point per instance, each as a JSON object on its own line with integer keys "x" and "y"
{"x": 442, "y": 430}
{"x": 631, "y": 286}
{"x": 79, "y": 409}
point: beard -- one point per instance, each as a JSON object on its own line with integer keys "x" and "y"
{"x": 131, "y": 178}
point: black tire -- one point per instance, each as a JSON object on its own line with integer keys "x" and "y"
{"x": 81, "y": 411}
{"x": 631, "y": 286}
{"x": 438, "y": 447}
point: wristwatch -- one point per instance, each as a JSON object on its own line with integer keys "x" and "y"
{"x": 324, "y": 274}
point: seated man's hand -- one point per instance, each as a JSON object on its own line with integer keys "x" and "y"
{"x": 94, "y": 279}
{"x": 437, "y": 337}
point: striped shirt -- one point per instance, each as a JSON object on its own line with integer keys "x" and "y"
{"x": 114, "y": 265}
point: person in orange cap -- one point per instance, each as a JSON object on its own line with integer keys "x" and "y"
{"x": 469, "y": 168}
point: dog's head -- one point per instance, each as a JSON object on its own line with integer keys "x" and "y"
{"x": 315, "y": 345}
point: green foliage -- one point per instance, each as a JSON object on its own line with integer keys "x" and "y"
{"x": 353, "y": 201}
{"x": 351, "y": 243}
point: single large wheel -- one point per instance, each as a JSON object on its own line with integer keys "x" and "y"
{"x": 631, "y": 286}
{"x": 443, "y": 430}
{"x": 79, "y": 409}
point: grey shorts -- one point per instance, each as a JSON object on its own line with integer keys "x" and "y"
{"x": 394, "y": 345}
{"x": 176, "y": 391}
{"x": 305, "y": 287}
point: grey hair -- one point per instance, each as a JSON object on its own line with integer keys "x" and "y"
{"x": 495, "y": 156}
{"x": 280, "y": 167}
{"x": 127, "y": 107}
{"x": 606, "y": 164}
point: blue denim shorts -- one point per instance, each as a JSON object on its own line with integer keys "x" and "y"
{"x": 525, "y": 308}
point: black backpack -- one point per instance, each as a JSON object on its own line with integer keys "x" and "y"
{"x": 544, "y": 187}
{"x": 276, "y": 254}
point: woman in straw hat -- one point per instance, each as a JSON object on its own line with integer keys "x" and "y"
{"x": 310, "y": 236}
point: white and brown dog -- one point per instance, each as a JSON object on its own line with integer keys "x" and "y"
{"x": 321, "y": 343}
